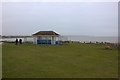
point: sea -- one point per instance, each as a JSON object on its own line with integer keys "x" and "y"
{"x": 71, "y": 38}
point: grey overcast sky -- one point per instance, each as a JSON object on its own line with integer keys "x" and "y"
{"x": 66, "y": 18}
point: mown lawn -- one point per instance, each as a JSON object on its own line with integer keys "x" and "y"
{"x": 59, "y": 61}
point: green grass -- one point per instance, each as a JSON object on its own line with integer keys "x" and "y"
{"x": 59, "y": 61}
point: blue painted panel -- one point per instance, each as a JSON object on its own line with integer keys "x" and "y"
{"x": 46, "y": 42}
{"x": 57, "y": 42}
{"x": 43, "y": 41}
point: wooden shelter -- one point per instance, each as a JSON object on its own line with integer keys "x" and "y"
{"x": 45, "y": 37}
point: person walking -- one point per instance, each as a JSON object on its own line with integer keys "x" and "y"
{"x": 16, "y": 41}
{"x": 20, "y": 41}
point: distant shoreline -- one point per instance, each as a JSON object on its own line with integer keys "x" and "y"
{"x": 14, "y": 36}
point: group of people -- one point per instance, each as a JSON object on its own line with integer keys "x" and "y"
{"x": 20, "y": 41}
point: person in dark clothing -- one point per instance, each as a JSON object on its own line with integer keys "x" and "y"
{"x": 20, "y": 41}
{"x": 16, "y": 41}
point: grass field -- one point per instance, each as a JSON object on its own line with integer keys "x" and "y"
{"x": 59, "y": 61}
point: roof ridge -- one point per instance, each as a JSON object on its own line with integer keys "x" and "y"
{"x": 46, "y": 33}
